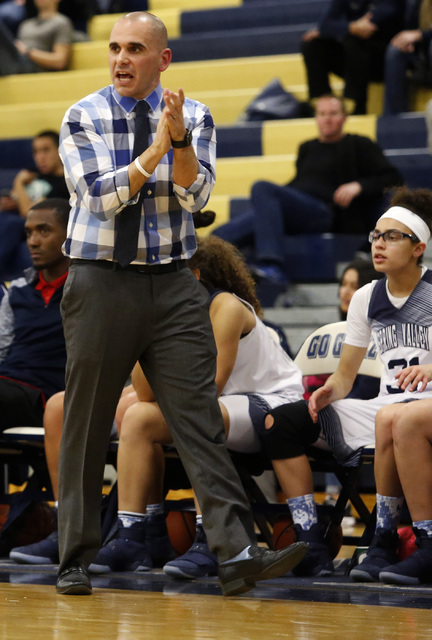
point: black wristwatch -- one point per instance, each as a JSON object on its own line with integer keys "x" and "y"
{"x": 186, "y": 142}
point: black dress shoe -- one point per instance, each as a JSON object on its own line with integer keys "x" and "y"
{"x": 74, "y": 581}
{"x": 238, "y": 576}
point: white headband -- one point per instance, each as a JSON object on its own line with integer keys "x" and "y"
{"x": 410, "y": 220}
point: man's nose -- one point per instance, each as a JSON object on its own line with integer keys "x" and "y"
{"x": 122, "y": 56}
{"x": 33, "y": 239}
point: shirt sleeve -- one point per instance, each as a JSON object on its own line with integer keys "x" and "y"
{"x": 204, "y": 142}
{"x": 376, "y": 171}
{"x": 64, "y": 32}
{"x": 89, "y": 170}
{"x": 358, "y": 327}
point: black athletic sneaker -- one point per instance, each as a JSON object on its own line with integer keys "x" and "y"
{"x": 381, "y": 553}
{"x": 44, "y": 552}
{"x": 318, "y": 561}
{"x": 197, "y": 562}
{"x": 157, "y": 540}
{"x": 127, "y": 551}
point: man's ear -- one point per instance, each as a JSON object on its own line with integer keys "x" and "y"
{"x": 165, "y": 59}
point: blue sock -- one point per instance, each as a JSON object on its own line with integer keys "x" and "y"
{"x": 388, "y": 512}
{"x": 426, "y": 525}
{"x": 303, "y": 511}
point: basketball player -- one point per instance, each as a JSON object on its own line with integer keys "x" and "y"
{"x": 397, "y": 312}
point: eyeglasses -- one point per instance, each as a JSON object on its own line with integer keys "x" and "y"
{"x": 392, "y": 236}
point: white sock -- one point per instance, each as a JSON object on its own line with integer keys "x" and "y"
{"x": 129, "y": 518}
{"x": 303, "y": 511}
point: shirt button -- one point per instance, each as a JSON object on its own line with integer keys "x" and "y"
{"x": 153, "y": 257}
{"x": 151, "y": 225}
{"x": 149, "y": 192}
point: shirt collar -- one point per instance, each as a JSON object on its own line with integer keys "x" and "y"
{"x": 128, "y": 104}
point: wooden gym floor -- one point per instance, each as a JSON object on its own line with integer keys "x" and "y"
{"x": 146, "y": 606}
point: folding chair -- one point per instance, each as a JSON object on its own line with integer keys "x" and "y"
{"x": 319, "y": 355}
{"x": 23, "y": 446}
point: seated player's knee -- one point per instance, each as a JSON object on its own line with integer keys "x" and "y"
{"x": 289, "y": 430}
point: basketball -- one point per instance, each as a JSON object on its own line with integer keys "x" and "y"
{"x": 35, "y": 524}
{"x": 283, "y": 532}
{"x": 181, "y": 530}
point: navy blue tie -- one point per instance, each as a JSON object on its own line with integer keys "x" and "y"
{"x": 126, "y": 240}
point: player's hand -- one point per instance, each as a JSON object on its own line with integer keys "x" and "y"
{"x": 318, "y": 400}
{"x": 414, "y": 378}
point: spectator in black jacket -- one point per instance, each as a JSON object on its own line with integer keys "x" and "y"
{"x": 339, "y": 186}
{"x": 410, "y": 49}
{"x": 350, "y": 41}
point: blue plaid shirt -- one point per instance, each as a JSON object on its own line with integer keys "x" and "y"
{"x": 96, "y": 143}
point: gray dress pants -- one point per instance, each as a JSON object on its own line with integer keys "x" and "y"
{"x": 113, "y": 318}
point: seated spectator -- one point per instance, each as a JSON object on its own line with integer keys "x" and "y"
{"x": 32, "y": 347}
{"x": 43, "y": 43}
{"x": 410, "y": 49}
{"x": 339, "y": 186}
{"x": 396, "y": 310}
{"x": 403, "y": 464}
{"x": 350, "y": 41}
{"x": 46, "y": 179}
{"x": 253, "y": 373}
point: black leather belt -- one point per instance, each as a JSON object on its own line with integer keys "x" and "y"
{"x": 155, "y": 269}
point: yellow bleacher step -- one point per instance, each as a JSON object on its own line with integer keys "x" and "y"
{"x": 235, "y": 176}
{"x": 216, "y": 76}
{"x": 186, "y": 5}
{"x": 169, "y": 11}
{"x": 99, "y": 27}
{"x": 26, "y": 120}
{"x": 47, "y": 87}
{"x": 285, "y": 136}
{"x": 23, "y": 120}
{"x": 278, "y": 137}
